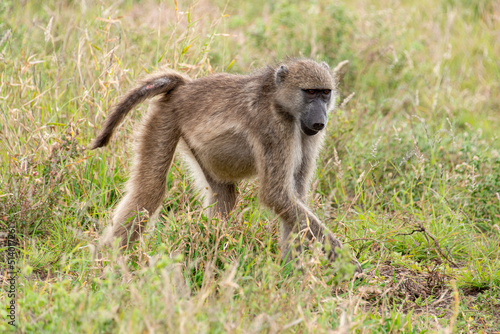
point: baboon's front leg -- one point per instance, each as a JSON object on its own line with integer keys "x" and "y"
{"x": 305, "y": 171}
{"x": 302, "y": 178}
{"x": 146, "y": 187}
{"x": 295, "y": 215}
{"x": 297, "y": 218}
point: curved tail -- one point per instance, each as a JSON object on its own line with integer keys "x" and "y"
{"x": 152, "y": 85}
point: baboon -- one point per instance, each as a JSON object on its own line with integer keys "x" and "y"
{"x": 230, "y": 127}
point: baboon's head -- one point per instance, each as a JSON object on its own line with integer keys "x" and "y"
{"x": 305, "y": 90}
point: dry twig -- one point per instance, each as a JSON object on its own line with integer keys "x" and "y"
{"x": 422, "y": 229}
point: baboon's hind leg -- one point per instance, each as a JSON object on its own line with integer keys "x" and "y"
{"x": 146, "y": 187}
{"x": 222, "y": 196}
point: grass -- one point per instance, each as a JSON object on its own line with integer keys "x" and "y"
{"x": 409, "y": 177}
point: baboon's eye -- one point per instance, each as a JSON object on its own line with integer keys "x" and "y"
{"x": 310, "y": 91}
{"x": 326, "y": 91}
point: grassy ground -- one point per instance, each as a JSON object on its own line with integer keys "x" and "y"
{"x": 409, "y": 177}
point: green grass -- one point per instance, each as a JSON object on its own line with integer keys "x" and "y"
{"x": 409, "y": 177}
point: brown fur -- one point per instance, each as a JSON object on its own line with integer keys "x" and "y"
{"x": 228, "y": 127}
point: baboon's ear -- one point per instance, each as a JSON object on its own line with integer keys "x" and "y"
{"x": 340, "y": 70}
{"x": 325, "y": 65}
{"x": 281, "y": 74}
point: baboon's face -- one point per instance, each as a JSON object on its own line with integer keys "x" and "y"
{"x": 305, "y": 91}
{"x": 315, "y": 113}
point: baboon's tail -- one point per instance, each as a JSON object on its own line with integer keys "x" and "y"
{"x": 150, "y": 86}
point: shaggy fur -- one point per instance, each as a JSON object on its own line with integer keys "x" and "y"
{"x": 229, "y": 127}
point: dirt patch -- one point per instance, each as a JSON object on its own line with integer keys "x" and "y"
{"x": 418, "y": 291}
